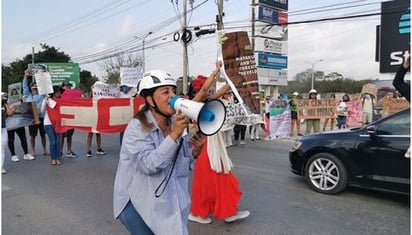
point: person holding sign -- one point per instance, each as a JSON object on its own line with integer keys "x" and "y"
{"x": 54, "y": 138}
{"x": 313, "y": 123}
{"x": 32, "y": 95}
{"x": 215, "y": 189}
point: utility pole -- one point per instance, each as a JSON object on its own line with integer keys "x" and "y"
{"x": 184, "y": 37}
{"x": 143, "y": 55}
{"x": 219, "y": 17}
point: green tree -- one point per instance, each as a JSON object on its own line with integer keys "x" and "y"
{"x": 86, "y": 81}
{"x": 13, "y": 72}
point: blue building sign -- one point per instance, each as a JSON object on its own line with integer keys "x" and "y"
{"x": 281, "y": 4}
{"x": 267, "y": 60}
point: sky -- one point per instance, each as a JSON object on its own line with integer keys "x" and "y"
{"x": 84, "y": 28}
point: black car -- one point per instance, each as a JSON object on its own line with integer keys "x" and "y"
{"x": 370, "y": 157}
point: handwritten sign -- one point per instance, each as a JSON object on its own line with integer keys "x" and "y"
{"x": 393, "y": 105}
{"x": 44, "y": 82}
{"x": 130, "y": 76}
{"x": 370, "y": 88}
{"x": 354, "y": 117}
{"x": 104, "y": 90}
{"x": 316, "y": 109}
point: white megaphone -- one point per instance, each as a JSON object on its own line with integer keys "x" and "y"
{"x": 210, "y": 116}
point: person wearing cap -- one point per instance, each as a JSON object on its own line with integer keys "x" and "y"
{"x": 54, "y": 138}
{"x": 32, "y": 95}
{"x": 151, "y": 184}
{"x": 293, "y": 104}
{"x": 313, "y": 123}
{"x": 68, "y": 94}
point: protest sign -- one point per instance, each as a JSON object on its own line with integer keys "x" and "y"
{"x": 280, "y": 125}
{"x": 23, "y": 116}
{"x": 370, "y": 89}
{"x": 104, "y": 90}
{"x": 109, "y": 115}
{"x": 316, "y": 109}
{"x": 130, "y": 76}
{"x": 44, "y": 83}
{"x": 14, "y": 93}
{"x": 240, "y": 69}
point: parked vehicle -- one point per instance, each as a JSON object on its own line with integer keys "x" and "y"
{"x": 370, "y": 157}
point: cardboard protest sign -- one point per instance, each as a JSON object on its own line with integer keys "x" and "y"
{"x": 370, "y": 88}
{"x": 316, "y": 109}
{"x": 14, "y": 93}
{"x": 104, "y": 90}
{"x": 354, "y": 109}
{"x": 393, "y": 105}
{"x": 240, "y": 69}
{"x": 130, "y": 76}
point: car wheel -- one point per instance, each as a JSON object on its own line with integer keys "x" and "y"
{"x": 326, "y": 173}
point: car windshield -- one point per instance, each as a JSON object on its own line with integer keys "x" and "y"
{"x": 397, "y": 125}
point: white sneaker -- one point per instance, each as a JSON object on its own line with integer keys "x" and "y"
{"x": 3, "y": 171}
{"x": 242, "y": 142}
{"x": 14, "y": 158}
{"x": 199, "y": 219}
{"x": 237, "y": 216}
{"x": 28, "y": 157}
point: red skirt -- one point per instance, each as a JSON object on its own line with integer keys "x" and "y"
{"x": 213, "y": 193}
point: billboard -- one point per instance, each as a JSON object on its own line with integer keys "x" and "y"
{"x": 273, "y": 61}
{"x": 394, "y": 35}
{"x": 281, "y": 4}
{"x": 271, "y": 16}
{"x": 61, "y": 72}
{"x": 272, "y": 77}
{"x": 271, "y": 45}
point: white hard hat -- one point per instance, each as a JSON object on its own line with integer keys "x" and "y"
{"x": 313, "y": 91}
{"x": 153, "y": 79}
{"x": 295, "y": 93}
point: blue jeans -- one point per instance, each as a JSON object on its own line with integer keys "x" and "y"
{"x": 134, "y": 223}
{"x": 54, "y": 140}
{"x": 341, "y": 121}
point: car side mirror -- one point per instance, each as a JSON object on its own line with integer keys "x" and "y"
{"x": 371, "y": 131}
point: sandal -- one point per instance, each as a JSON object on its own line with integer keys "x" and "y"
{"x": 58, "y": 162}
{"x": 53, "y": 162}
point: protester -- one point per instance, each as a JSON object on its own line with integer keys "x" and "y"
{"x": 293, "y": 104}
{"x": 99, "y": 150}
{"x": 228, "y": 134}
{"x": 68, "y": 94}
{"x": 367, "y": 109}
{"x": 151, "y": 186}
{"x": 313, "y": 123}
{"x": 20, "y": 131}
{"x": 215, "y": 189}
{"x": 32, "y": 95}
{"x": 332, "y": 119}
{"x": 3, "y": 131}
{"x": 342, "y": 112}
{"x": 403, "y": 87}
{"x": 54, "y": 138}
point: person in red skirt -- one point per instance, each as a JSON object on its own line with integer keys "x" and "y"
{"x": 215, "y": 190}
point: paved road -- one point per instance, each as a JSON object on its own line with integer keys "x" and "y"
{"x": 76, "y": 197}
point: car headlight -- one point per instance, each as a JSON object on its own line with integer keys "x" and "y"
{"x": 296, "y": 146}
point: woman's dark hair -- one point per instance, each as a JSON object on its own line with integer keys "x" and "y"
{"x": 141, "y": 114}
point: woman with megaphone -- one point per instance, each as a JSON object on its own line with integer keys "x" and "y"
{"x": 151, "y": 185}
{"x": 215, "y": 190}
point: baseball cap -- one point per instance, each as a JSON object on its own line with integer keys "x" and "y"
{"x": 296, "y": 93}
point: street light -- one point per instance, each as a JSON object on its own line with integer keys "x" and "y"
{"x": 313, "y": 70}
{"x": 143, "y": 59}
